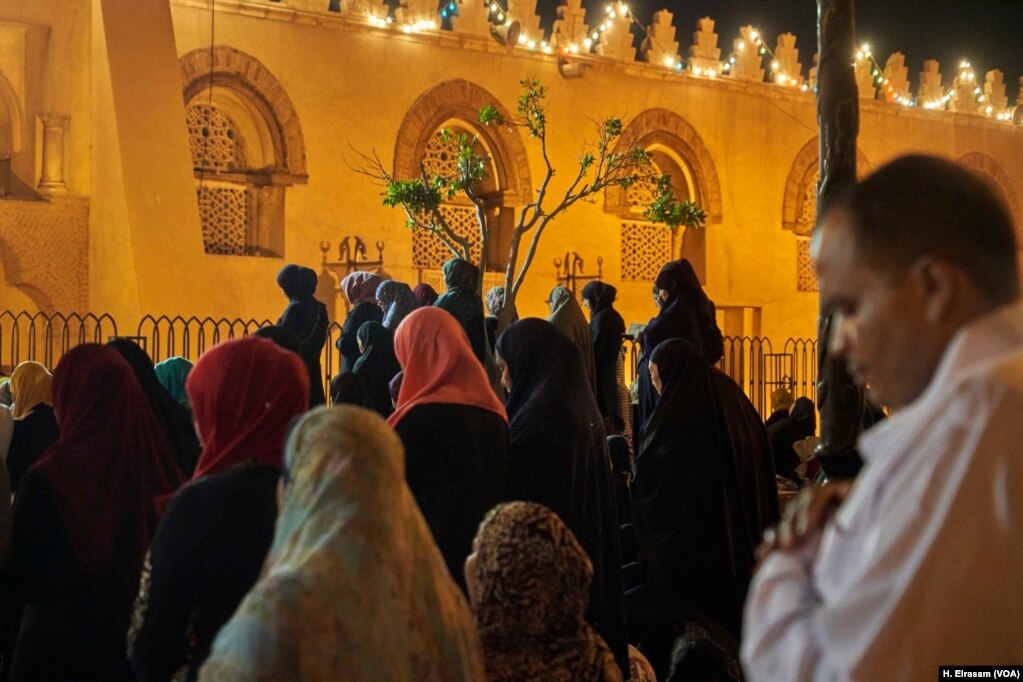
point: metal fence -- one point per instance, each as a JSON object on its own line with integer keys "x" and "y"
{"x": 751, "y": 361}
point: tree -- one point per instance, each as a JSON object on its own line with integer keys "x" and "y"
{"x": 600, "y": 166}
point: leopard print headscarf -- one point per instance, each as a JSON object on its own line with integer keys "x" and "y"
{"x": 532, "y": 584}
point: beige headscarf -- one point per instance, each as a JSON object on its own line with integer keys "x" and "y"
{"x": 353, "y": 587}
{"x": 31, "y": 384}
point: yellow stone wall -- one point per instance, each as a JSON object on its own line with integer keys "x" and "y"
{"x": 352, "y": 85}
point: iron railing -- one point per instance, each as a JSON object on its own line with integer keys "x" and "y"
{"x": 45, "y": 337}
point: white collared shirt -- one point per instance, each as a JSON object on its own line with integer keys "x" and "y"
{"x": 922, "y": 565}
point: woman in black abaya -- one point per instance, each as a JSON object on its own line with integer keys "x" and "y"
{"x": 307, "y": 317}
{"x": 376, "y": 366}
{"x": 691, "y": 526}
{"x": 557, "y": 457}
{"x": 685, "y": 313}
{"x": 607, "y": 331}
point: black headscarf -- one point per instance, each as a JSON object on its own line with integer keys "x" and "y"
{"x": 298, "y": 283}
{"x": 377, "y": 366}
{"x": 691, "y": 526}
{"x": 607, "y": 331}
{"x": 801, "y": 423}
{"x": 175, "y": 421}
{"x": 346, "y": 390}
{"x": 557, "y": 456}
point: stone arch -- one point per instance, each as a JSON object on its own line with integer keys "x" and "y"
{"x": 988, "y": 168}
{"x": 234, "y": 70}
{"x": 461, "y": 100}
{"x": 667, "y": 129}
{"x": 802, "y": 179}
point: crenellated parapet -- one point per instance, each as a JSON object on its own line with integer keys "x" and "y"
{"x": 659, "y": 46}
{"x": 704, "y": 53}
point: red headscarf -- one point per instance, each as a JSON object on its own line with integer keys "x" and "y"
{"x": 244, "y": 394}
{"x": 361, "y": 286}
{"x": 111, "y": 461}
{"x": 439, "y": 365}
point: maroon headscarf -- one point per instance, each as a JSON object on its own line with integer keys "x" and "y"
{"x": 111, "y": 461}
{"x": 244, "y": 394}
{"x": 361, "y": 286}
{"x": 425, "y": 295}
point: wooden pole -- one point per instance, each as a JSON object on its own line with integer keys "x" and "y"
{"x": 841, "y": 402}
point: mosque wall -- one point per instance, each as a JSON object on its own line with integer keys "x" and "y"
{"x": 297, "y": 93}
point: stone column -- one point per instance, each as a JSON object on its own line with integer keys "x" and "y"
{"x": 52, "y": 180}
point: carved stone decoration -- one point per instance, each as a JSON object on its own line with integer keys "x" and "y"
{"x": 704, "y": 53}
{"x": 44, "y": 249}
{"x": 747, "y": 56}
{"x": 617, "y": 41}
{"x": 417, "y": 12}
{"x": 52, "y": 180}
{"x": 1019, "y": 97}
{"x": 473, "y": 18}
{"x": 811, "y": 75}
{"x": 965, "y": 90}
{"x": 897, "y": 75}
{"x": 994, "y": 91}
{"x": 524, "y": 12}
{"x": 865, "y": 79}
{"x": 570, "y": 27}
{"x": 787, "y": 56}
{"x": 931, "y": 89}
{"x": 659, "y": 46}
{"x": 365, "y": 8}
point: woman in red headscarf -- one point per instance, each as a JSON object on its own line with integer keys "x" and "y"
{"x": 215, "y": 534}
{"x": 454, "y": 429}
{"x": 83, "y": 519}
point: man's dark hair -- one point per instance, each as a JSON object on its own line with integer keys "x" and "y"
{"x": 922, "y": 205}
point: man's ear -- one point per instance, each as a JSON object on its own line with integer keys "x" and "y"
{"x": 937, "y": 282}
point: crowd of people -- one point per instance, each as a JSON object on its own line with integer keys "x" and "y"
{"x": 479, "y": 502}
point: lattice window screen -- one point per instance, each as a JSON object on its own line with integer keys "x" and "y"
{"x": 214, "y": 139}
{"x": 806, "y": 276}
{"x": 224, "y": 210}
{"x": 428, "y": 251}
{"x": 645, "y": 248}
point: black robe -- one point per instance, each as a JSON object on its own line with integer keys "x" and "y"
{"x": 753, "y": 458}
{"x": 675, "y": 321}
{"x": 376, "y": 367}
{"x": 347, "y": 343}
{"x": 467, "y": 308}
{"x": 455, "y": 468}
{"x": 557, "y": 456}
{"x": 32, "y": 435}
{"x": 207, "y": 553}
{"x": 74, "y": 621}
{"x": 308, "y": 319}
{"x": 607, "y": 330}
{"x": 691, "y": 527}
{"x": 784, "y": 434}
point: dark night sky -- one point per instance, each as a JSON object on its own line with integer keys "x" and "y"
{"x": 988, "y": 33}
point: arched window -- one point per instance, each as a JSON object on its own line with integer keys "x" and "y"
{"x": 440, "y": 159}
{"x": 246, "y": 149}
{"x": 451, "y": 106}
{"x": 645, "y": 246}
{"x": 676, "y": 150}
{"x": 799, "y": 207}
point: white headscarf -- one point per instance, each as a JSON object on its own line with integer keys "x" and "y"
{"x": 354, "y": 587}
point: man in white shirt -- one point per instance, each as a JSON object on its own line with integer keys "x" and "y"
{"x": 919, "y": 563}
